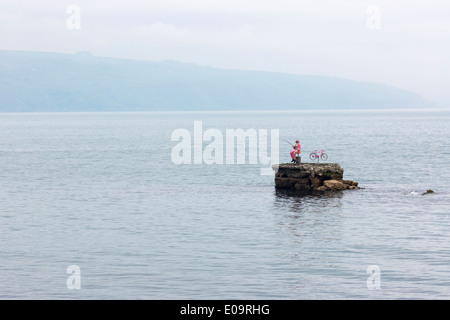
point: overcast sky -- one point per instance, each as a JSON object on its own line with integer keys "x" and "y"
{"x": 397, "y": 42}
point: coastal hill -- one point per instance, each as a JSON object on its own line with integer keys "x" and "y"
{"x": 38, "y": 81}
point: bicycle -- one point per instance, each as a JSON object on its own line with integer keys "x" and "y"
{"x": 318, "y": 155}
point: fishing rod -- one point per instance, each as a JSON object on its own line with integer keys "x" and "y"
{"x": 288, "y": 142}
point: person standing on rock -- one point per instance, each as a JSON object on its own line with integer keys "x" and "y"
{"x": 295, "y": 154}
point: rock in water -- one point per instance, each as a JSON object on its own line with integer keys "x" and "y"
{"x": 334, "y": 185}
{"x": 312, "y": 176}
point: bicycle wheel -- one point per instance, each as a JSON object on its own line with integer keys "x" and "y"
{"x": 324, "y": 157}
{"x": 312, "y": 156}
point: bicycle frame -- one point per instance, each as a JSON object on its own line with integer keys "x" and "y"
{"x": 318, "y": 155}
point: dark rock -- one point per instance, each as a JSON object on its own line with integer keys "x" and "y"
{"x": 316, "y": 182}
{"x": 312, "y": 176}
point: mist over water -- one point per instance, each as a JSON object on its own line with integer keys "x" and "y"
{"x": 99, "y": 191}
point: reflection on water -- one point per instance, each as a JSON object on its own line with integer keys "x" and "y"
{"x": 312, "y": 208}
{"x": 313, "y": 222}
{"x": 298, "y": 200}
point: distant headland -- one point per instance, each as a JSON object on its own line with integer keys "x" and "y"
{"x": 47, "y": 82}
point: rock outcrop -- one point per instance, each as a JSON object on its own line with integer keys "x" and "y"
{"x": 312, "y": 177}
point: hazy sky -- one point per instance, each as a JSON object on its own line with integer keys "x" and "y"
{"x": 397, "y": 42}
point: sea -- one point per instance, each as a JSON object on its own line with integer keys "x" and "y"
{"x": 98, "y": 206}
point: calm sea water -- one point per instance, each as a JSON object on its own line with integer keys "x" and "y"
{"x": 100, "y": 191}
